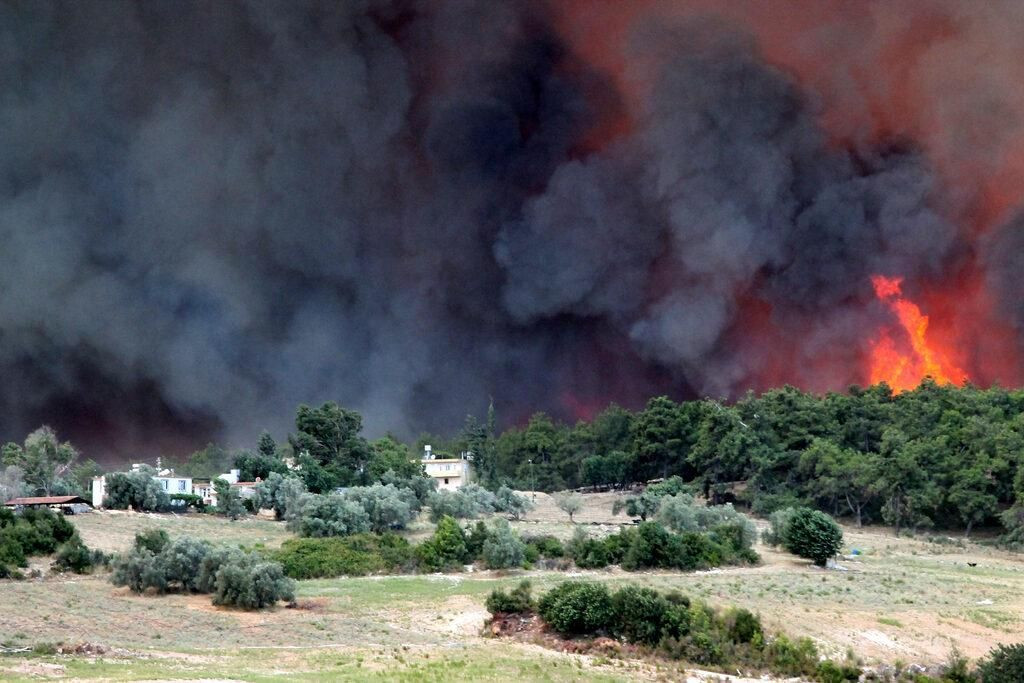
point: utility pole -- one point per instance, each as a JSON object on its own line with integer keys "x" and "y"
{"x": 533, "y": 480}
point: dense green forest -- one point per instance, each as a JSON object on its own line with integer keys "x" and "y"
{"x": 938, "y": 456}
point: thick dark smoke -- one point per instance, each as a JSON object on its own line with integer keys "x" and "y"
{"x": 212, "y": 211}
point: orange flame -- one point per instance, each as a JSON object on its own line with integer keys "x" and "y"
{"x": 892, "y": 362}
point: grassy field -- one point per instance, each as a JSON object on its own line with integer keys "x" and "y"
{"x": 114, "y": 530}
{"x": 901, "y": 599}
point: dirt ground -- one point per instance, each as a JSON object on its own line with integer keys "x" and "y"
{"x": 907, "y": 600}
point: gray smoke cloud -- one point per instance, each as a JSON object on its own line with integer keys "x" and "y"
{"x": 211, "y": 212}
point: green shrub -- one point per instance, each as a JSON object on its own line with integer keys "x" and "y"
{"x": 680, "y": 513}
{"x": 744, "y": 626}
{"x": 957, "y": 669}
{"x": 73, "y": 556}
{"x": 650, "y": 547}
{"x": 321, "y": 516}
{"x": 695, "y": 551}
{"x": 281, "y": 493}
{"x": 252, "y": 585}
{"x": 765, "y": 504}
{"x": 100, "y": 558}
{"x": 421, "y": 485}
{"x": 547, "y": 546}
{"x": 475, "y": 540}
{"x": 589, "y": 553}
{"x": 387, "y": 506}
{"x": 792, "y": 658}
{"x": 153, "y": 540}
{"x": 139, "y": 570}
{"x": 181, "y": 561}
{"x": 517, "y": 601}
{"x": 446, "y": 549}
{"x": 234, "y": 577}
{"x": 700, "y": 647}
{"x": 137, "y": 490}
{"x": 462, "y": 504}
{"x": 576, "y": 607}
{"x": 503, "y": 548}
{"x": 530, "y": 556}
{"x": 680, "y": 628}
{"x": 812, "y": 534}
{"x": 229, "y": 499}
{"x": 1004, "y": 664}
{"x": 830, "y": 672}
{"x": 215, "y": 558}
{"x": 8, "y": 572}
{"x": 11, "y": 552}
{"x": 507, "y": 500}
{"x": 639, "y": 614}
{"x": 358, "y": 555}
{"x": 778, "y": 521}
{"x": 40, "y": 532}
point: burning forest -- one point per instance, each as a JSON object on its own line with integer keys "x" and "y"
{"x": 213, "y": 211}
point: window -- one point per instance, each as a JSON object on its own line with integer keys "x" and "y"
{"x": 164, "y": 482}
{"x": 181, "y": 484}
{"x": 446, "y": 480}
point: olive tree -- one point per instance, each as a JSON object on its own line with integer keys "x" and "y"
{"x": 507, "y": 500}
{"x": 332, "y": 515}
{"x": 137, "y": 490}
{"x": 229, "y": 502}
{"x": 503, "y": 548}
{"x": 387, "y": 506}
{"x": 568, "y": 502}
{"x": 42, "y": 460}
{"x": 280, "y": 493}
{"x": 252, "y": 585}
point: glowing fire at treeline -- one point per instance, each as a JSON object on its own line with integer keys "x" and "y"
{"x": 904, "y": 354}
{"x": 896, "y": 81}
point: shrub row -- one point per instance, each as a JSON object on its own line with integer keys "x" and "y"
{"x": 356, "y": 510}
{"x": 650, "y": 546}
{"x": 472, "y": 501}
{"x": 450, "y": 547}
{"x": 234, "y": 577}
{"x": 672, "y": 623}
{"x": 498, "y": 546}
{"x": 357, "y": 555}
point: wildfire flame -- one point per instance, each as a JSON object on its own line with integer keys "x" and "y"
{"x": 903, "y": 363}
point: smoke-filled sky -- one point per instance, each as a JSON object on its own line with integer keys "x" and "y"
{"x": 213, "y": 211}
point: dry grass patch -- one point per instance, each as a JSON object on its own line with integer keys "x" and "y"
{"x": 115, "y": 530}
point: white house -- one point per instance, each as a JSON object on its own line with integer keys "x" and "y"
{"x": 168, "y": 481}
{"x": 449, "y": 473}
{"x": 246, "y": 489}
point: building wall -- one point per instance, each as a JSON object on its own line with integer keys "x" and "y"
{"x": 173, "y": 485}
{"x": 450, "y": 474}
{"x": 99, "y": 491}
